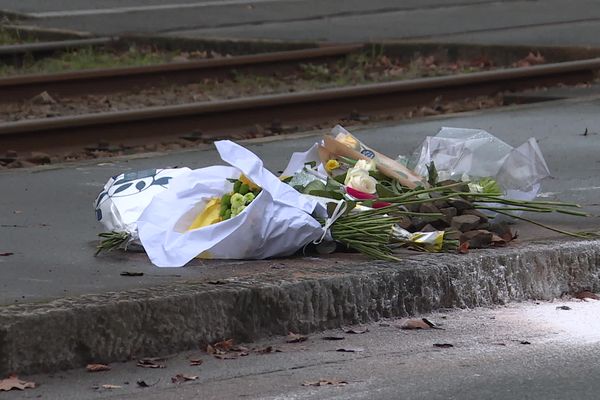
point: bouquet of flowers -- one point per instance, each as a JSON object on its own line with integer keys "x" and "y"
{"x": 339, "y": 191}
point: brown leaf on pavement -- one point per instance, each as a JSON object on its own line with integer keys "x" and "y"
{"x": 443, "y": 345}
{"x": 350, "y": 349}
{"x": 226, "y": 350}
{"x": 194, "y": 362}
{"x": 295, "y": 338}
{"x": 130, "y": 273}
{"x": 586, "y": 294}
{"x": 151, "y": 363}
{"x": 356, "y": 331}
{"x": 224, "y": 345}
{"x": 267, "y": 350}
{"x": 325, "y": 382}
{"x": 97, "y": 367}
{"x": 333, "y": 338}
{"x": 418, "y": 323}
{"x": 179, "y": 378}
{"x": 226, "y": 356}
{"x": 13, "y": 382}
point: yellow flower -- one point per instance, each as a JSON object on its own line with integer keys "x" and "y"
{"x": 208, "y": 216}
{"x": 251, "y": 185}
{"x": 331, "y": 165}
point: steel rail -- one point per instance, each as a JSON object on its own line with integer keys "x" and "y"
{"x": 222, "y": 118}
{"x": 96, "y": 81}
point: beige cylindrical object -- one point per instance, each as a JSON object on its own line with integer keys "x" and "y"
{"x": 351, "y": 147}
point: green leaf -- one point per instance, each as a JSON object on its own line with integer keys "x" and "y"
{"x": 314, "y": 185}
{"x": 432, "y": 174}
{"x": 327, "y": 194}
{"x": 378, "y": 175}
{"x": 383, "y": 191}
{"x": 340, "y": 178}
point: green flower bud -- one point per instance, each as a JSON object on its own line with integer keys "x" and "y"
{"x": 237, "y": 200}
{"x": 248, "y": 197}
{"x": 244, "y": 189}
{"x": 236, "y": 186}
{"x": 226, "y": 200}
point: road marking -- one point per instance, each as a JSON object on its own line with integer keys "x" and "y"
{"x": 158, "y": 7}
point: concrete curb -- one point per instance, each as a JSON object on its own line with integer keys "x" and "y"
{"x": 71, "y": 332}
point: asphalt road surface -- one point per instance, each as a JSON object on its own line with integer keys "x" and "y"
{"x": 533, "y": 22}
{"x": 523, "y": 351}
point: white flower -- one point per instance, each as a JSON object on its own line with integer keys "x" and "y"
{"x": 359, "y": 179}
{"x": 367, "y": 165}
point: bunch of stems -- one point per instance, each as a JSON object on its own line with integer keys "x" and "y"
{"x": 492, "y": 202}
{"x": 370, "y": 231}
{"x": 112, "y": 240}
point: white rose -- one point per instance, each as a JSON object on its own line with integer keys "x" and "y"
{"x": 367, "y": 165}
{"x": 360, "y": 180}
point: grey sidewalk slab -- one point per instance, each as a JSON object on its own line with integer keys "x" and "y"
{"x": 48, "y": 222}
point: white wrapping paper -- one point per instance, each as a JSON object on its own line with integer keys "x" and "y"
{"x": 277, "y": 223}
{"x": 125, "y": 196}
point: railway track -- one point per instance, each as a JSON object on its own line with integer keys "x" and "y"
{"x": 101, "y": 81}
{"x": 229, "y": 118}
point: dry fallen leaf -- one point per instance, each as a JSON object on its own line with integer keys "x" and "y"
{"x": 586, "y": 294}
{"x": 268, "y": 349}
{"x": 129, "y": 273}
{"x": 333, "y": 338}
{"x": 150, "y": 363}
{"x": 325, "y": 382}
{"x": 295, "y": 338}
{"x": 6, "y": 254}
{"x": 418, "y": 323}
{"x": 227, "y": 356}
{"x": 179, "y": 378}
{"x": 224, "y": 345}
{"x": 194, "y": 362}
{"x": 350, "y": 349}
{"x": 357, "y": 331}
{"x": 13, "y": 382}
{"x": 97, "y": 367}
